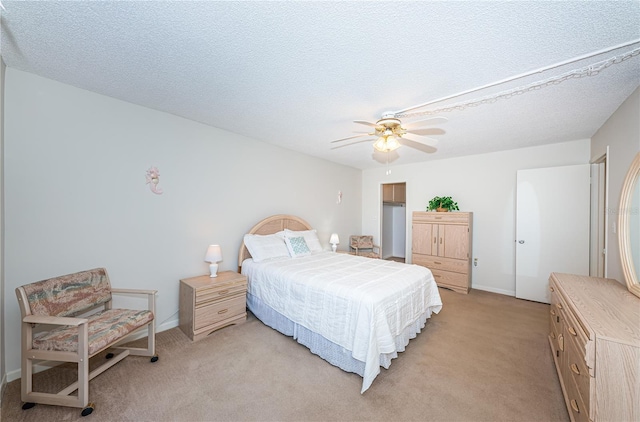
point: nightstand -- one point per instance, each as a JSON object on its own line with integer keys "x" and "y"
{"x": 209, "y": 303}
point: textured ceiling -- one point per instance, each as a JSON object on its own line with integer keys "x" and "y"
{"x": 296, "y": 74}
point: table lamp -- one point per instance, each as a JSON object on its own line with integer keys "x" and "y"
{"x": 334, "y": 240}
{"x": 213, "y": 255}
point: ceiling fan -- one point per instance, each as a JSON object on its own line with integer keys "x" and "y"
{"x": 389, "y": 133}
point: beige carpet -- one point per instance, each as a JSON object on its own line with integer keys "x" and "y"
{"x": 485, "y": 357}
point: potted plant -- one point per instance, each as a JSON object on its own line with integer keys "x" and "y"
{"x": 443, "y": 204}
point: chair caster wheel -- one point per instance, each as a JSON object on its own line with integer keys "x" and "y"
{"x": 27, "y": 405}
{"x": 109, "y": 356}
{"x": 88, "y": 410}
{"x": 154, "y": 358}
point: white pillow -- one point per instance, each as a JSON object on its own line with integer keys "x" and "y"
{"x": 297, "y": 246}
{"x": 310, "y": 236}
{"x": 262, "y": 247}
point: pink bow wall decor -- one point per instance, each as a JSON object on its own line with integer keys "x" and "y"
{"x": 153, "y": 177}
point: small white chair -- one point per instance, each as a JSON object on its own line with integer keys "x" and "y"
{"x": 363, "y": 246}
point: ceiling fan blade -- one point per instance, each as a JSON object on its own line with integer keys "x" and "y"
{"x": 351, "y": 137}
{"x": 362, "y": 122}
{"x": 429, "y": 121}
{"x": 425, "y": 140}
{"x": 352, "y": 143}
{"x": 414, "y": 143}
{"x": 426, "y": 131}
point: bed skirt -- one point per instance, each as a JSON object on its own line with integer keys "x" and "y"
{"x": 327, "y": 350}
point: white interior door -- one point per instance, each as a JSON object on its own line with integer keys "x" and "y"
{"x": 552, "y": 227}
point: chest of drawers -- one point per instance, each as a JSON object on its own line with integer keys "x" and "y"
{"x": 209, "y": 303}
{"x": 594, "y": 333}
{"x": 441, "y": 241}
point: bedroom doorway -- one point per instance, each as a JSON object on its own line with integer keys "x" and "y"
{"x": 393, "y": 230}
{"x": 599, "y": 217}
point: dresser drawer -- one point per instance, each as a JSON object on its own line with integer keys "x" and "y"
{"x": 577, "y": 409}
{"x": 439, "y": 218}
{"x": 555, "y": 315}
{"x": 445, "y": 264}
{"x": 218, "y": 311}
{"x": 218, "y": 292}
{"x": 555, "y": 318}
{"x": 574, "y": 331}
{"x": 579, "y": 372}
{"x": 449, "y": 279}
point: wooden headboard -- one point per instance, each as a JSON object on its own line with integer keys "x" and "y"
{"x": 271, "y": 225}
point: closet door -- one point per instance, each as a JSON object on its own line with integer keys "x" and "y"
{"x": 552, "y": 227}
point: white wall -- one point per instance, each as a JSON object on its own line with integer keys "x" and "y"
{"x": 621, "y": 133}
{"x": 76, "y": 198}
{"x": 484, "y": 184}
{"x": 3, "y": 370}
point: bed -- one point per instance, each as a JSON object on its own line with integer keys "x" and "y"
{"x": 356, "y": 313}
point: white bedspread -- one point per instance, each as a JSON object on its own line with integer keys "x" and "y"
{"x": 358, "y": 303}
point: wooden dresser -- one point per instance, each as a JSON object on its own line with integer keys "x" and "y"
{"x": 209, "y": 303}
{"x": 594, "y": 334}
{"x": 441, "y": 241}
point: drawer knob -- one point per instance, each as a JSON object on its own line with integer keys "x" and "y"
{"x": 575, "y": 369}
{"x": 224, "y": 311}
{"x": 553, "y": 335}
{"x": 574, "y": 406}
{"x": 438, "y": 263}
{"x": 551, "y": 288}
{"x": 553, "y": 312}
{"x": 572, "y": 331}
{"x": 559, "y": 306}
{"x": 224, "y": 292}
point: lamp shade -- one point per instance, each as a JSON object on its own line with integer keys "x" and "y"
{"x": 392, "y": 143}
{"x": 334, "y": 239}
{"x": 380, "y": 144}
{"x": 214, "y": 254}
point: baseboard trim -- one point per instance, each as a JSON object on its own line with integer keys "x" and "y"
{"x": 3, "y": 387}
{"x": 494, "y": 290}
{"x": 44, "y": 365}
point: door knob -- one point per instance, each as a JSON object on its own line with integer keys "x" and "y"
{"x": 521, "y": 241}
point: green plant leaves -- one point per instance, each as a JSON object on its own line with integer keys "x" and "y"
{"x": 443, "y": 202}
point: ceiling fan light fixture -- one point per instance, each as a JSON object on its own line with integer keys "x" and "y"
{"x": 392, "y": 143}
{"x": 386, "y": 143}
{"x": 389, "y": 134}
{"x": 380, "y": 144}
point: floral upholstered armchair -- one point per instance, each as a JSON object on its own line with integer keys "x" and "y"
{"x": 363, "y": 246}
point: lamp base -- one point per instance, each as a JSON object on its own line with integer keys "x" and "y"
{"x": 334, "y": 247}
{"x": 213, "y": 268}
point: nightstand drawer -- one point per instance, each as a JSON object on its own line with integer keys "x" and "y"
{"x": 206, "y": 295}
{"x": 219, "y": 311}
